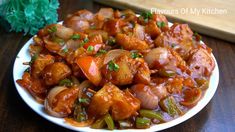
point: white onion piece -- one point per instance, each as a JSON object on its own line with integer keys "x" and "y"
{"x": 106, "y": 12}
{"x": 73, "y": 44}
{"x": 77, "y": 24}
{"x": 84, "y": 84}
{"x": 48, "y": 102}
{"x": 51, "y": 112}
{"x": 64, "y": 32}
{"x": 144, "y": 93}
{"x": 158, "y": 54}
{"x": 139, "y": 32}
{"x": 112, "y": 54}
{"x": 160, "y": 91}
{"x": 85, "y": 15}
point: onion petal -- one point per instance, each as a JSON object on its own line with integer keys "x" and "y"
{"x": 73, "y": 44}
{"x": 144, "y": 93}
{"x": 157, "y": 55}
{"x": 139, "y": 32}
{"x": 64, "y": 32}
{"x": 112, "y": 54}
{"x": 82, "y": 86}
{"x": 160, "y": 91}
{"x": 49, "y": 99}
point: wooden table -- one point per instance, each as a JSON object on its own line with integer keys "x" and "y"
{"x": 15, "y": 115}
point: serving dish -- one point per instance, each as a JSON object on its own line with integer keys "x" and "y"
{"x": 19, "y": 68}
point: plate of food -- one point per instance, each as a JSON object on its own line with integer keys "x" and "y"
{"x": 116, "y": 70}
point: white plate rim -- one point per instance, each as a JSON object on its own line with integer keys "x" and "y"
{"x": 23, "y": 56}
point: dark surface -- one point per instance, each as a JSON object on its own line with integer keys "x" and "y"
{"x": 15, "y": 115}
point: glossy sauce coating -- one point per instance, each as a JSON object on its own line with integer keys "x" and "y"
{"x": 114, "y": 69}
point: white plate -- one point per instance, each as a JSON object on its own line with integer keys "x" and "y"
{"x": 23, "y": 56}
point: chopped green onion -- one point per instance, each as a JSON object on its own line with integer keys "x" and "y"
{"x": 142, "y": 123}
{"x": 65, "y": 50}
{"x": 161, "y": 24}
{"x": 80, "y": 114}
{"x": 109, "y": 121}
{"x": 146, "y": 15}
{"x": 58, "y": 40}
{"x": 100, "y": 123}
{"x": 75, "y": 36}
{"x": 111, "y": 41}
{"x": 113, "y": 66}
{"x": 135, "y": 55}
{"x": 34, "y": 57}
{"x": 100, "y": 52}
{"x": 86, "y": 40}
{"x": 65, "y": 82}
{"x": 90, "y": 48}
{"x": 151, "y": 115}
{"x": 83, "y": 100}
{"x": 52, "y": 29}
{"x": 169, "y": 105}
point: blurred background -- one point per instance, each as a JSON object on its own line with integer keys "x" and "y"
{"x": 212, "y": 17}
